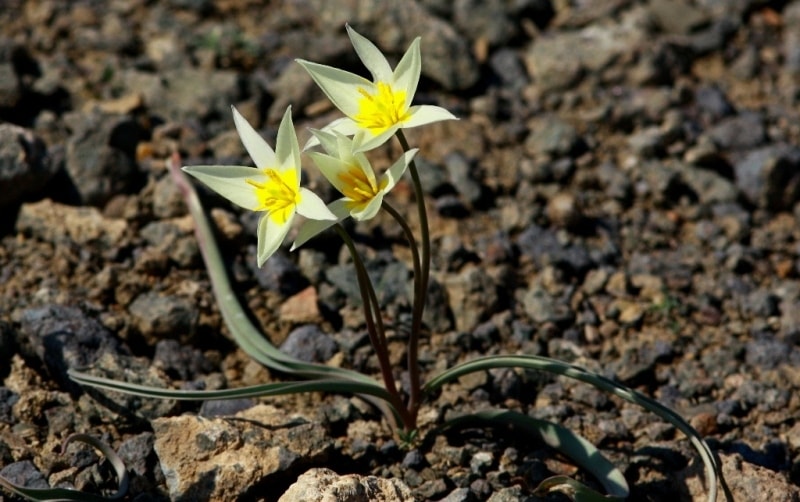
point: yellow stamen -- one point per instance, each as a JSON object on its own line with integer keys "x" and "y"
{"x": 380, "y": 111}
{"x": 278, "y": 195}
{"x": 358, "y": 186}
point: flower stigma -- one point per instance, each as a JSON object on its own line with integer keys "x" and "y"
{"x": 278, "y": 195}
{"x": 382, "y": 110}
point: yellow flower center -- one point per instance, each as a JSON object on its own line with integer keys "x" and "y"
{"x": 380, "y": 111}
{"x": 358, "y": 186}
{"x": 278, "y": 195}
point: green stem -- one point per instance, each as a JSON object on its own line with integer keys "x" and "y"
{"x": 375, "y": 328}
{"x": 420, "y": 288}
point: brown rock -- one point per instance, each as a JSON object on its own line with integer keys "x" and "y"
{"x": 324, "y": 485}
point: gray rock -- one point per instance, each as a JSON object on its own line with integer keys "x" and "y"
{"x": 481, "y": 462}
{"x": 216, "y": 459}
{"x": 511, "y": 494}
{"x": 558, "y": 60}
{"x": 791, "y": 38}
{"x": 678, "y": 17}
{"x": 615, "y": 182}
{"x": 713, "y": 37}
{"x": 662, "y": 182}
{"x": 770, "y": 177}
{"x": 390, "y": 279}
{"x": 713, "y": 102}
{"x": 463, "y": 176}
{"x": 509, "y": 68}
{"x": 225, "y": 407}
{"x": 65, "y": 338}
{"x": 648, "y": 143}
{"x": 551, "y": 135}
{"x": 292, "y": 86}
{"x": 765, "y": 353}
{"x": 542, "y": 308}
{"x": 9, "y": 85}
{"x": 24, "y": 474}
{"x": 414, "y": 460}
{"x": 437, "y": 315}
{"x": 157, "y": 316}
{"x": 136, "y": 451}
{"x": 309, "y": 343}
{"x": 473, "y": 297}
{"x": 544, "y": 248}
{"x": 451, "y": 206}
{"x": 183, "y": 93}
{"x": 711, "y": 187}
{"x": 487, "y": 20}
{"x": 7, "y": 400}
{"x": 180, "y": 361}
{"x": 100, "y": 157}
{"x": 743, "y": 131}
{"x": 279, "y": 274}
{"x": 460, "y": 495}
{"x": 25, "y": 168}
{"x": 433, "y": 177}
{"x": 167, "y": 199}
{"x": 174, "y": 239}
{"x": 325, "y": 485}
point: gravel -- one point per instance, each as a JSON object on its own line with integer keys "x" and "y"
{"x": 621, "y": 191}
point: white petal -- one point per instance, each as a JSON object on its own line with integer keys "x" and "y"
{"x": 286, "y": 148}
{"x": 312, "y": 207}
{"x": 366, "y": 141}
{"x": 406, "y": 74}
{"x": 330, "y": 167}
{"x": 397, "y": 170}
{"x": 229, "y": 181}
{"x": 344, "y": 125}
{"x": 327, "y": 139}
{"x": 427, "y": 114}
{"x": 371, "y": 56}
{"x": 364, "y": 164}
{"x": 311, "y": 228}
{"x": 340, "y": 86}
{"x": 344, "y": 148}
{"x": 270, "y": 236}
{"x": 369, "y": 210}
{"x": 256, "y": 146}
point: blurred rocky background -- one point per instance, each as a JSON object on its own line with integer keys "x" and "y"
{"x": 621, "y": 192}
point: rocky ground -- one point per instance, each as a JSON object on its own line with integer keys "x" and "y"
{"x": 621, "y": 192}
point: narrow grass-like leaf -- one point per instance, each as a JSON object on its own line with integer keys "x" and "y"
{"x": 261, "y": 390}
{"x": 66, "y": 494}
{"x": 581, "y": 451}
{"x": 713, "y": 471}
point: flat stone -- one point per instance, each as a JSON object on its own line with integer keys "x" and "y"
{"x": 58, "y": 223}
{"x": 216, "y": 459}
{"x": 324, "y": 485}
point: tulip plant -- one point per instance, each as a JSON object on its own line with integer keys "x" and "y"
{"x": 374, "y": 112}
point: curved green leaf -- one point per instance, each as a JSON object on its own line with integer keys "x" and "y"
{"x": 66, "y": 494}
{"x": 581, "y": 451}
{"x": 713, "y": 471}
{"x": 261, "y": 390}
